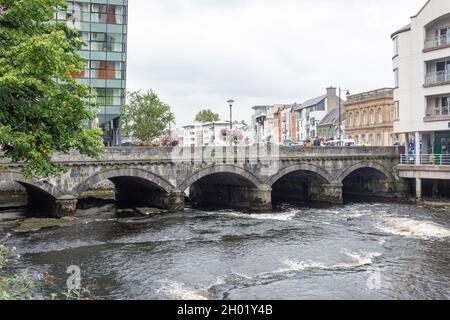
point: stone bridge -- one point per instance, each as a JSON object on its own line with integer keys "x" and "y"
{"x": 252, "y": 177}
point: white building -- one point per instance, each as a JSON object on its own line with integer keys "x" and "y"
{"x": 209, "y": 134}
{"x": 422, "y": 78}
{"x": 422, "y": 90}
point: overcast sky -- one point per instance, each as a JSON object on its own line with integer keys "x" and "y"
{"x": 201, "y": 53}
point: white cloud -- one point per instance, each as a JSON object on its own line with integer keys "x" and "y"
{"x": 200, "y": 53}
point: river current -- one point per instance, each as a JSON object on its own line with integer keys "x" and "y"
{"x": 355, "y": 251}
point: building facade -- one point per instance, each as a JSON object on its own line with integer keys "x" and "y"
{"x": 422, "y": 97}
{"x": 103, "y": 26}
{"x": 310, "y": 113}
{"x": 422, "y": 79}
{"x": 369, "y": 117}
{"x": 328, "y": 128}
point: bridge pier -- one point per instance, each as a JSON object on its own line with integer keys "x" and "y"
{"x": 175, "y": 200}
{"x": 65, "y": 206}
{"x": 260, "y": 199}
{"x": 332, "y": 193}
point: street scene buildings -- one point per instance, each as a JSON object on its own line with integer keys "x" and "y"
{"x": 294, "y": 124}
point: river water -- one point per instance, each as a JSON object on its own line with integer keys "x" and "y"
{"x": 355, "y": 251}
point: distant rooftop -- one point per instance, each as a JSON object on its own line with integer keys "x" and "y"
{"x": 313, "y": 102}
{"x": 331, "y": 118}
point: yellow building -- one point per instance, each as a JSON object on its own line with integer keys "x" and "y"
{"x": 369, "y": 117}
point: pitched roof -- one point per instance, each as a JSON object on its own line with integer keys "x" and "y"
{"x": 331, "y": 118}
{"x": 297, "y": 106}
{"x": 313, "y": 102}
{"x": 404, "y": 29}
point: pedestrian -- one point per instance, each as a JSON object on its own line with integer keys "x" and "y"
{"x": 317, "y": 142}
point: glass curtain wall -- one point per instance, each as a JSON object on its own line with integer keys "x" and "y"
{"x": 103, "y": 25}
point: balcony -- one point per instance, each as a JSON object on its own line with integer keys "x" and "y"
{"x": 426, "y": 159}
{"x": 437, "y": 42}
{"x": 437, "y": 78}
{"x": 438, "y": 109}
{"x": 437, "y": 34}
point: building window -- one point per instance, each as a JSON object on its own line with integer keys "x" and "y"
{"x": 350, "y": 119}
{"x": 98, "y": 13}
{"x": 379, "y": 142}
{"x": 439, "y": 106}
{"x": 380, "y": 116}
{"x": 365, "y": 117}
{"x": 371, "y": 140}
{"x": 106, "y": 42}
{"x": 395, "y": 46}
{"x": 111, "y": 14}
{"x": 396, "y": 78}
{"x": 106, "y": 69}
{"x": 109, "y": 96}
{"x": 358, "y": 119}
{"x": 372, "y": 117}
{"x": 396, "y": 110}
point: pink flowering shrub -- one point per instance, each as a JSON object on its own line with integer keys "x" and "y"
{"x": 165, "y": 141}
{"x": 225, "y": 133}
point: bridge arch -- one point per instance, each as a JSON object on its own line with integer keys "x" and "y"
{"x": 42, "y": 196}
{"x": 137, "y": 188}
{"x": 227, "y": 186}
{"x": 367, "y": 179}
{"x": 306, "y": 167}
{"x": 299, "y": 182}
{"x": 218, "y": 169}
{"x": 112, "y": 174}
{"x": 366, "y": 165}
{"x": 33, "y": 184}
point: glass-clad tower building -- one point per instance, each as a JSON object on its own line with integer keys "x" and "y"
{"x": 103, "y": 25}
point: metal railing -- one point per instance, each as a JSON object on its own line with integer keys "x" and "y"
{"x": 437, "y": 42}
{"x": 437, "y": 77}
{"x": 426, "y": 159}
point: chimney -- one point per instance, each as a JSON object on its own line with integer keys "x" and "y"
{"x": 331, "y": 91}
{"x": 332, "y": 99}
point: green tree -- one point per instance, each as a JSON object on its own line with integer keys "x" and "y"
{"x": 42, "y": 109}
{"x": 206, "y": 115}
{"x": 146, "y": 117}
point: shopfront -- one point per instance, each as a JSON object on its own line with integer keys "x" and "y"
{"x": 442, "y": 143}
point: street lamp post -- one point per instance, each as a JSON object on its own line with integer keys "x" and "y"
{"x": 230, "y": 103}
{"x": 340, "y": 114}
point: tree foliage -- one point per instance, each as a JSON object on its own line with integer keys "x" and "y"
{"x": 42, "y": 108}
{"x": 146, "y": 117}
{"x": 207, "y": 115}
